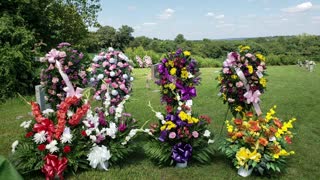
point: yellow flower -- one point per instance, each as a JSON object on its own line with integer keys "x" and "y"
{"x": 238, "y": 108}
{"x": 261, "y": 57}
{"x": 219, "y": 78}
{"x": 224, "y": 96}
{"x": 229, "y": 127}
{"x": 255, "y": 156}
{"x": 184, "y": 73}
{"x": 168, "y": 126}
{"x": 195, "y": 120}
{"x": 270, "y": 114}
{"x": 263, "y": 82}
{"x": 89, "y": 69}
{"x": 244, "y": 48}
{"x": 172, "y": 86}
{"x": 234, "y": 76}
{"x": 183, "y": 116}
{"x": 165, "y": 91}
{"x": 283, "y": 152}
{"x": 250, "y": 69}
{"x": 173, "y": 71}
{"x": 170, "y": 62}
{"x": 186, "y": 53}
{"x": 242, "y": 156}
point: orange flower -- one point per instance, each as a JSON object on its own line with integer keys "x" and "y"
{"x": 239, "y": 134}
{"x": 254, "y": 126}
{"x": 250, "y": 140}
{"x": 249, "y": 114}
{"x": 277, "y": 122}
{"x": 273, "y": 129}
{"x": 263, "y": 141}
{"x": 237, "y": 121}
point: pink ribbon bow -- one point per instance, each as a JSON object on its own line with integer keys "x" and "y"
{"x": 252, "y": 97}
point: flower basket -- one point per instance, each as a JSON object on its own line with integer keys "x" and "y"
{"x": 244, "y": 172}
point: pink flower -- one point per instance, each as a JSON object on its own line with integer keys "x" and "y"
{"x": 112, "y": 67}
{"x": 55, "y": 80}
{"x": 122, "y": 86}
{"x": 120, "y": 64}
{"x": 239, "y": 84}
{"x": 172, "y": 135}
{"x": 62, "y": 54}
{"x": 195, "y": 134}
{"x": 260, "y": 68}
{"x": 231, "y": 100}
{"x": 111, "y": 110}
{"x": 225, "y": 70}
{"x": 114, "y": 85}
{"x": 103, "y": 87}
{"x": 105, "y": 63}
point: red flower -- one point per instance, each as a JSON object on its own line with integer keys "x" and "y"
{"x": 29, "y": 134}
{"x": 41, "y": 147}
{"x": 263, "y": 141}
{"x": 66, "y": 149}
{"x": 238, "y": 121}
{"x": 288, "y": 139}
{"x": 254, "y": 126}
{"x": 206, "y": 118}
{"x": 169, "y": 109}
{"x": 83, "y": 133}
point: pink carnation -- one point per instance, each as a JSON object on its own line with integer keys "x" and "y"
{"x": 172, "y": 135}
{"x": 195, "y": 134}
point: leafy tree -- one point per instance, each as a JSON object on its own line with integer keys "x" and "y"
{"x": 106, "y": 36}
{"x": 179, "y": 39}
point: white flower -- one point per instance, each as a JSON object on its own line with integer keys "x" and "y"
{"x": 92, "y": 79}
{"x": 125, "y": 76}
{"x": 66, "y": 136}
{"x": 127, "y": 138}
{"x": 47, "y": 111}
{"x": 131, "y": 78}
{"x": 52, "y": 146}
{"x": 110, "y": 49}
{"x": 69, "y": 113}
{"x": 112, "y": 74}
{"x": 100, "y": 76}
{"x": 210, "y": 141}
{"x": 206, "y": 133}
{"x": 124, "y": 57}
{"x": 132, "y": 133}
{"x": 190, "y": 75}
{"x": 272, "y": 138}
{"x": 14, "y": 145}
{"x": 148, "y": 131}
{"x": 114, "y": 92}
{"x": 112, "y": 130}
{"x": 99, "y": 156}
{"x": 112, "y": 61}
{"x": 159, "y": 116}
{"x": 26, "y": 124}
{"x": 98, "y": 98}
{"x": 93, "y": 138}
{"x": 40, "y": 137}
{"x": 96, "y": 58}
{"x": 124, "y": 143}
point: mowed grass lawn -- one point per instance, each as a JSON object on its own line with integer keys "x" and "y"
{"x": 294, "y": 90}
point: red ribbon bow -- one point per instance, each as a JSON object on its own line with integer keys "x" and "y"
{"x": 54, "y": 166}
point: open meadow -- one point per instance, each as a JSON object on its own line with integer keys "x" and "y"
{"x": 293, "y": 89}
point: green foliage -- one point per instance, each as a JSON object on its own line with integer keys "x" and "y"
{"x": 17, "y": 67}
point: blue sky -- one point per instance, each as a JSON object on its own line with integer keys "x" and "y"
{"x": 213, "y": 19}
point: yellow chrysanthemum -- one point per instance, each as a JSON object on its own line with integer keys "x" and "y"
{"x": 250, "y": 69}
{"x": 184, "y": 73}
{"x": 234, "y": 76}
{"x": 186, "y": 53}
{"x": 263, "y": 82}
{"x": 89, "y": 69}
{"x": 238, "y": 108}
{"x": 171, "y": 63}
{"x": 172, "y": 86}
{"x": 173, "y": 71}
{"x": 244, "y": 48}
{"x": 168, "y": 126}
{"x": 229, "y": 127}
{"x": 261, "y": 57}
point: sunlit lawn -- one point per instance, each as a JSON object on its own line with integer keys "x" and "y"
{"x": 294, "y": 90}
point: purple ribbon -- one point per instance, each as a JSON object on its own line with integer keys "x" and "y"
{"x": 181, "y": 152}
{"x": 188, "y": 92}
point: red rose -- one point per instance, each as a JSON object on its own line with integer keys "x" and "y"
{"x": 41, "y": 147}
{"x": 66, "y": 149}
{"x": 29, "y": 134}
{"x": 288, "y": 139}
{"x": 169, "y": 109}
{"x": 83, "y": 133}
{"x": 238, "y": 121}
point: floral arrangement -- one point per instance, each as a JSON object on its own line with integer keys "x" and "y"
{"x": 179, "y": 136}
{"x": 110, "y": 76}
{"x": 145, "y": 63}
{"x": 258, "y": 143}
{"x": 53, "y": 143}
{"x": 242, "y": 80}
{"x": 72, "y": 64}
{"x": 109, "y": 128}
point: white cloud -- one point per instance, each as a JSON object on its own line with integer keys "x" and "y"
{"x": 149, "y": 23}
{"x": 137, "y": 27}
{"x": 210, "y": 14}
{"x": 221, "y": 16}
{"x": 132, "y": 8}
{"x": 298, "y": 8}
{"x": 317, "y": 18}
{"x": 166, "y": 14}
{"x": 284, "y": 19}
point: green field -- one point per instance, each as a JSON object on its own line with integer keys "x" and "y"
{"x": 294, "y": 90}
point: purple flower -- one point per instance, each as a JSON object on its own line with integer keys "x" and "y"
{"x": 61, "y": 45}
{"x": 122, "y": 127}
{"x": 163, "y": 135}
{"x": 102, "y": 120}
{"x": 181, "y": 152}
